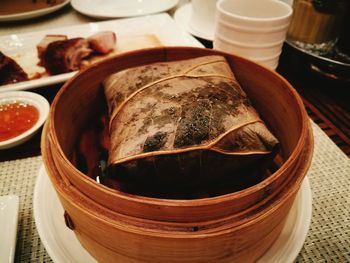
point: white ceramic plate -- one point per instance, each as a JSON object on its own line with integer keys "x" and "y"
{"x": 34, "y": 99}
{"x": 32, "y": 14}
{"x": 182, "y": 17}
{"x": 121, "y": 8}
{"x": 8, "y": 227}
{"x": 129, "y": 31}
{"x": 63, "y": 246}
{"x": 59, "y": 241}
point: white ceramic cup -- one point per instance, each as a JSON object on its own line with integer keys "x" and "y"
{"x": 254, "y": 29}
{"x": 203, "y": 17}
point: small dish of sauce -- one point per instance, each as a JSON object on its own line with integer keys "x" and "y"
{"x": 16, "y": 118}
{"x": 22, "y": 113}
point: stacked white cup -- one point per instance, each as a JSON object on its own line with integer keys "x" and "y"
{"x": 254, "y": 29}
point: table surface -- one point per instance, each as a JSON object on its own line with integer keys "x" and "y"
{"x": 327, "y": 103}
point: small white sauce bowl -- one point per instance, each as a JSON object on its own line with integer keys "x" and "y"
{"x": 34, "y": 99}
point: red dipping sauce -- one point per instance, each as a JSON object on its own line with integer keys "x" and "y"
{"x": 16, "y": 118}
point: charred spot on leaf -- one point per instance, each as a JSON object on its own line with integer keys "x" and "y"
{"x": 143, "y": 80}
{"x": 171, "y": 112}
{"x": 146, "y": 122}
{"x": 216, "y": 97}
{"x": 247, "y": 102}
{"x": 193, "y": 127}
{"x": 145, "y": 69}
{"x": 233, "y": 89}
{"x": 235, "y": 97}
{"x": 155, "y": 142}
{"x": 171, "y": 97}
{"x": 114, "y": 101}
{"x": 217, "y": 126}
{"x": 133, "y": 118}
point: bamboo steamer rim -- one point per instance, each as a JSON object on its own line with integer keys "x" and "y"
{"x": 180, "y": 202}
{"x": 270, "y": 208}
{"x": 205, "y": 226}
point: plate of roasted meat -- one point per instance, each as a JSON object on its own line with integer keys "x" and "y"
{"x": 43, "y": 58}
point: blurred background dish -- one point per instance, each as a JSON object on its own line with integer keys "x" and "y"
{"x": 329, "y": 66}
{"x": 315, "y": 25}
{"x": 319, "y": 33}
{"x": 200, "y": 26}
{"x": 103, "y": 9}
{"x": 16, "y": 10}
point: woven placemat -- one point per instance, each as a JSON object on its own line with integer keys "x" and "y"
{"x": 328, "y": 238}
{"x": 18, "y": 177}
{"x": 329, "y": 234}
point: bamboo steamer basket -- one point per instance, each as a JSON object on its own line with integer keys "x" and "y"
{"x": 110, "y": 237}
{"x": 278, "y": 101}
{"x": 113, "y": 225}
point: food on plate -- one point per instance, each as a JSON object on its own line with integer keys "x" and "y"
{"x": 102, "y": 42}
{"x": 10, "y": 71}
{"x": 16, "y": 118}
{"x": 41, "y": 47}
{"x": 67, "y": 55}
{"x": 124, "y": 44}
{"x": 182, "y": 125}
